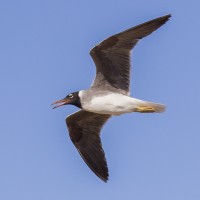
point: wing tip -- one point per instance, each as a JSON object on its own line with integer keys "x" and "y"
{"x": 104, "y": 178}
{"x": 103, "y": 174}
{"x": 160, "y": 20}
{"x": 165, "y": 18}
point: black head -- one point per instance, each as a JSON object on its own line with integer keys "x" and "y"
{"x": 72, "y": 98}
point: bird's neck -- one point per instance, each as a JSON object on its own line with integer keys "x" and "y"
{"x": 77, "y": 101}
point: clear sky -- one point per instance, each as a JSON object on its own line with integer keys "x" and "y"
{"x": 44, "y": 55}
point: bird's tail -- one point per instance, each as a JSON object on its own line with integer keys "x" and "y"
{"x": 150, "y": 107}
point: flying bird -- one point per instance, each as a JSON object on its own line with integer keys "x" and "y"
{"x": 109, "y": 94}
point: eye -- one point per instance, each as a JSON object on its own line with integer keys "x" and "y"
{"x": 70, "y": 95}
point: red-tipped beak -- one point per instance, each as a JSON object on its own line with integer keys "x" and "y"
{"x": 59, "y": 103}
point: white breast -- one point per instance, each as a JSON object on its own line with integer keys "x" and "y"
{"x": 110, "y": 103}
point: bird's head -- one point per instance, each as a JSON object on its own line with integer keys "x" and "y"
{"x": 72, "y": 98}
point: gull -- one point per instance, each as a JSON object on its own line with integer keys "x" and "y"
{"x": 109, "y": 94}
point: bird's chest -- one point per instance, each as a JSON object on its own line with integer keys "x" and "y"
{"x": 112, "y": 104}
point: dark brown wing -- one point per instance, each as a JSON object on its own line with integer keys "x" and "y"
{"x": 112, "y": 56}
{"x": 84, "y": 130}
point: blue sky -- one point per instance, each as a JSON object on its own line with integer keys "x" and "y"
{"x": 44, "y": 50}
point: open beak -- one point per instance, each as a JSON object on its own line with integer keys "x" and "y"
{"x": 61, "y": 102}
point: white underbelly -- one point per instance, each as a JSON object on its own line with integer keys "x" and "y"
{"x": 112, "y": 104}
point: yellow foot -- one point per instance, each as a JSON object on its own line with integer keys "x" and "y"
{"x": 143, "y": 109}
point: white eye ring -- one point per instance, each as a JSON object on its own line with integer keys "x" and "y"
{"x": 70, "y": 95}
